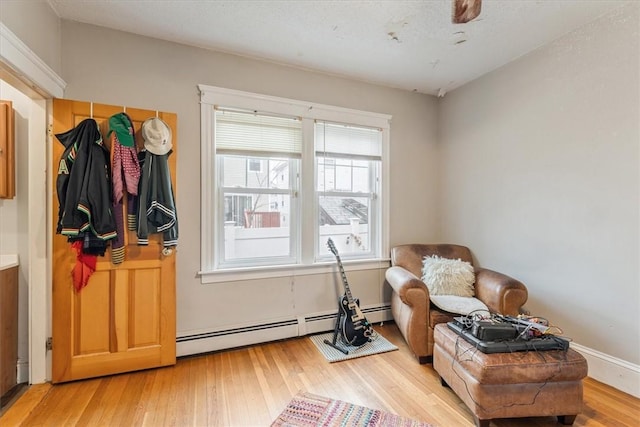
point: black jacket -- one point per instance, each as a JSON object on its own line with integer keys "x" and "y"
{"x": 156, "y": 205}
{"x": 84, "y": 185}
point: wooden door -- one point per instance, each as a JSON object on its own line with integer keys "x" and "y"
{"x": 124, "y": 319}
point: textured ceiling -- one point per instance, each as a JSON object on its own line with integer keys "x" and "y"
{"x": 404, "y": 44}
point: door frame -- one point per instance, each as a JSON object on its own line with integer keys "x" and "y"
{"x": 24, "y": 70}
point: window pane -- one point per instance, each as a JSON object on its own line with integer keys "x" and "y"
{"x": 362, "y": 176}
{"x": 278, "y": 173}
{"x": 326, "y": 174}
{"x": 235, "y": 206}
{"x": 235, "y": 173}
{"x": 256, "y": 225}
{"x": 257, "y": 209}
{"x": 255, "y": 172}
{"x": 346, "y": 221}
{"x": 343, "y": 177}
{"x": 353, "y": 176}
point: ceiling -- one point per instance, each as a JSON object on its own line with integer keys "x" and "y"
{"x": 410, "y": 45}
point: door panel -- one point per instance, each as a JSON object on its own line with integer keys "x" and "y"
{"x": 124, "y": 319}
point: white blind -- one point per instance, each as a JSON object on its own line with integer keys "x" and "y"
{"x": 353, "y": 141}
{"x": 239, "y": 132}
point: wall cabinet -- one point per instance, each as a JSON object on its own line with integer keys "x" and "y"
{"x": 7, "y": 150}
{"x": 8, "y": 329}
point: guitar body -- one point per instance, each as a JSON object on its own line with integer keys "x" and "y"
{"x": 355, "y": 328}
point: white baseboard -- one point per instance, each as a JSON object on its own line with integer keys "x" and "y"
{"x": 221, "y": 339}
{"x": 249, "y": 334}
{"x": 610, "y": 370}
{"x": 23, "y": 371}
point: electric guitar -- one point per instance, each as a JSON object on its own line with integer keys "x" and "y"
{"x": 356, "y": 330}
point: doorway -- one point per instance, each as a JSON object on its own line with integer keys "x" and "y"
{"x": 27, "y": 78}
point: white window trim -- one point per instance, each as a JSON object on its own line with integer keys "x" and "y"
{"x": 211, "y": 96}
{"x": 293, "y": 270}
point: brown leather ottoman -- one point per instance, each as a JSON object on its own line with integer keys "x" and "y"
{"x": 510, "y": 385}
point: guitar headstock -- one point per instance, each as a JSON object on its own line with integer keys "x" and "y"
{"x": 332, "y": 247}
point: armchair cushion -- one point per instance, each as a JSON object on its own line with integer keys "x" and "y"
{"x": 459, "y": 305}
{"x": 444, "y": 276}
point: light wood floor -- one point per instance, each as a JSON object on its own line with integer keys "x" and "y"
{"x": 251, "y": 386}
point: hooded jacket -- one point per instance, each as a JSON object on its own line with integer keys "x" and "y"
{"x": 84, "y": 184}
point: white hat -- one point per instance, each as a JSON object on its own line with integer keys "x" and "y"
{"x": 157, "y": 136}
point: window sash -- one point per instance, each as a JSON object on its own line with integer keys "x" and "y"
{"x": 242, "y": 177}
{"x": 332, "y": 167}
{"x": 235, "y": 253}
{"x": 373, "y": 224}
{"x": 226, "y": 260}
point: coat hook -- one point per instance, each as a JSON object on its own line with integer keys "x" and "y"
{"x": 156, "y": 114}
{"x": 124, "y": 109}
{"x": 91, "y": 110}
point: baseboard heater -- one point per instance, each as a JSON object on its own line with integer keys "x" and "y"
{"x": 239, "y": 336}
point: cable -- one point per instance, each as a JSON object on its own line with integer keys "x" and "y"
{"x": 464, "y": 352}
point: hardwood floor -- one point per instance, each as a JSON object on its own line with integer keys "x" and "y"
{"x": 250, "y": 386}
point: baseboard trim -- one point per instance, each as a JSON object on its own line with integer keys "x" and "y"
{"x": 610, "y": 370}
{"x": 23, "y": 371}
{"x": 234, "y": 336}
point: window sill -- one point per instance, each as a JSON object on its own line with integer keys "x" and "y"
{"x": 253, "y": 273}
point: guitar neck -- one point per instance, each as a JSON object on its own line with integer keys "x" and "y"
{"x": 347, "y": 291}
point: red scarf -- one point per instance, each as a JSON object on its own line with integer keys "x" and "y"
{"x": 84, "y": 268}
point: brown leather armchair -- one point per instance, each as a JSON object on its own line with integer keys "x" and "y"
{"x": 411, "y": 308}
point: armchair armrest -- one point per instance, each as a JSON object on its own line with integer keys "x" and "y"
{"x": 410, "y": 310}
{"x": 403, "y": 281}
{"x": 501, "y": 293}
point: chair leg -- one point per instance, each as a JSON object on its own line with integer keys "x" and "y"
{"x": 443, "y": 383}
{"x": 567, "y": 420}
{"x": 425, "y": 359}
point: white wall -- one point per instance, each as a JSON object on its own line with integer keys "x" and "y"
{"x": 125, "y": 69}
{"x": 37, "y": 26}
{"x": 541, "y": 179}
{"x": 14, "y": 219}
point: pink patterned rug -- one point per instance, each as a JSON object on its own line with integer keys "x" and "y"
{"x": 309, "y": 410}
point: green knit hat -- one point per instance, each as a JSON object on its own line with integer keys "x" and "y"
{"x": 122, "y": 126}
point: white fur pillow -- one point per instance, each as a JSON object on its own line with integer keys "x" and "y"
{"x": 444, "y": 276}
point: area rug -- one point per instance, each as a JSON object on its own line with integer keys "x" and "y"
{"x": 309, "y": 410}
{"x": 377, "y": 345}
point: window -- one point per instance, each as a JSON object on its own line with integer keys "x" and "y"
{"x": 348, "y": 164}
{"x": 279, "y": 177}
{"x": 257, "y": 158}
